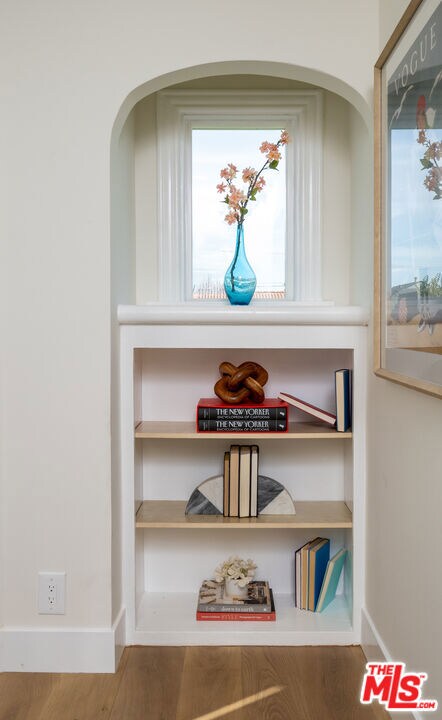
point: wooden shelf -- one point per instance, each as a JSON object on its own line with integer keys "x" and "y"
{"x": 170, "y": 514}
{"x": 186, "y": 431}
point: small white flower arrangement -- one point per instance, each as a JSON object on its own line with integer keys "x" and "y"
{"x": 236, "y": 569}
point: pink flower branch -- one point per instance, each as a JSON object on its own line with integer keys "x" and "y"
{"x": 237, "y": 199}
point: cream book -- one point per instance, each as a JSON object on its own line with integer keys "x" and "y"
{"x": 308, "y": 408}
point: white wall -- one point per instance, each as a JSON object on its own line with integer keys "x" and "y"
{"x": 123, "y": 270}
{"x": 404, "y": 502}
{"x": 361, "y": 216}
{"x": 66, "y": 68}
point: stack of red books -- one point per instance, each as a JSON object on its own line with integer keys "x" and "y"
{"x": 213, "y": 415}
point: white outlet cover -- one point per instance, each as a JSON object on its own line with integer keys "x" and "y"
{"x": 51, "y": 593}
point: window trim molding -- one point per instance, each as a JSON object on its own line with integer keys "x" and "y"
{"x": 300, "y": 111}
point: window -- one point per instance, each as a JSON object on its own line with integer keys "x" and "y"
{"x": 265, "y": 225}
{"x": 199, "y": 132}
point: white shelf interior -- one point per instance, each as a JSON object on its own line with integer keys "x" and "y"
{"x": 174, "y": 379}
{"x": 173, "y": 469}
{"x": 179, "y": 560}
{"x": 170, "y": 618}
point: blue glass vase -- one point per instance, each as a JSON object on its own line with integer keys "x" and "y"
{"x": 240, "y": 280}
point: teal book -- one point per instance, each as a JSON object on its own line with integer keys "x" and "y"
{"x": 331, "y": 579}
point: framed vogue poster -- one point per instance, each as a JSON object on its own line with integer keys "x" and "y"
{"x": 408, "y": 201}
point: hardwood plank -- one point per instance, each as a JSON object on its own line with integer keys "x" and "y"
{"x": 349, "y": 669}
{"x": 150, "y": 686}
{"x": 200, "y": 683}
{"x": 318, "y": 682}
{"x": 170, "y": 514}
{"x": 83, "y": 696}
{"x": 22, "y": 695}
{"x": 264, "y": 668}
{"x": 211, "y": 681}
{"x": 47, "y": 696}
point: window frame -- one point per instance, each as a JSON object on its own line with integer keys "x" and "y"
{"x": 300, "y": 112}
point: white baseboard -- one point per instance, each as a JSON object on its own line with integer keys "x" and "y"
{"x": 119, "y": 630}
{"x": 374, "y": 649}
{"x": 62, "y": 650}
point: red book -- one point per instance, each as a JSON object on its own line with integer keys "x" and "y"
{"x": 310, "y": 409}
{"x": 233, "y": 617}
{"x": 213, "y": 415}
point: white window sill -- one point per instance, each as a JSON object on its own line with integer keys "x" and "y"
{"x": 201, "y": 313}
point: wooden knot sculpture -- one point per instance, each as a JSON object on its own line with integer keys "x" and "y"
{"x": 241, "y": 384}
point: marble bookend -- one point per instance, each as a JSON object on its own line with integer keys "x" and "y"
{"x": 207, "y": 498}
{"x": 273, "y": 498}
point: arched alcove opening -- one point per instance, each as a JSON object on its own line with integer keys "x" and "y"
{"x": 346, "y": 174}
{"x": 346, "y": 211}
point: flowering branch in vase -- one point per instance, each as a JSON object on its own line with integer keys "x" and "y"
{"x": 237, "y": 199}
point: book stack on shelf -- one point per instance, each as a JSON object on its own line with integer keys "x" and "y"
{"x": 213, "y": 415}
{"x": 240, "y": 481}
{"x": 214, "y": 605}
{"x": 316, "y": 574}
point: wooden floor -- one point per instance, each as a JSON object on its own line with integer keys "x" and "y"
{"x": 160, "y": 683}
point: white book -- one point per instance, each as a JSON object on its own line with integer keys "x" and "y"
{"x": 308, "y": 408}
{"x": 254, "y": 481}
{"x": 244, "y": 480}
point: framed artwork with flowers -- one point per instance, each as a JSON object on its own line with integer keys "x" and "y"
{"x": 408, "y": 202}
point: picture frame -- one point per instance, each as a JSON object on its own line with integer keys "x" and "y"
{"x": 408, "y": 202}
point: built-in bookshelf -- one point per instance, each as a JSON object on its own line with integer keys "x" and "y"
{"x": 165, "y": 368}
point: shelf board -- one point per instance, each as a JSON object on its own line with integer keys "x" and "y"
{"x": 184, "y": 430}
{"x": 266, "y": 313}
{"x": 170, "y": 514}
{"x": 169, "y": 618}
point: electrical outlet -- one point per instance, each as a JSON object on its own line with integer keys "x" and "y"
{"x": 51, "y": 593}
